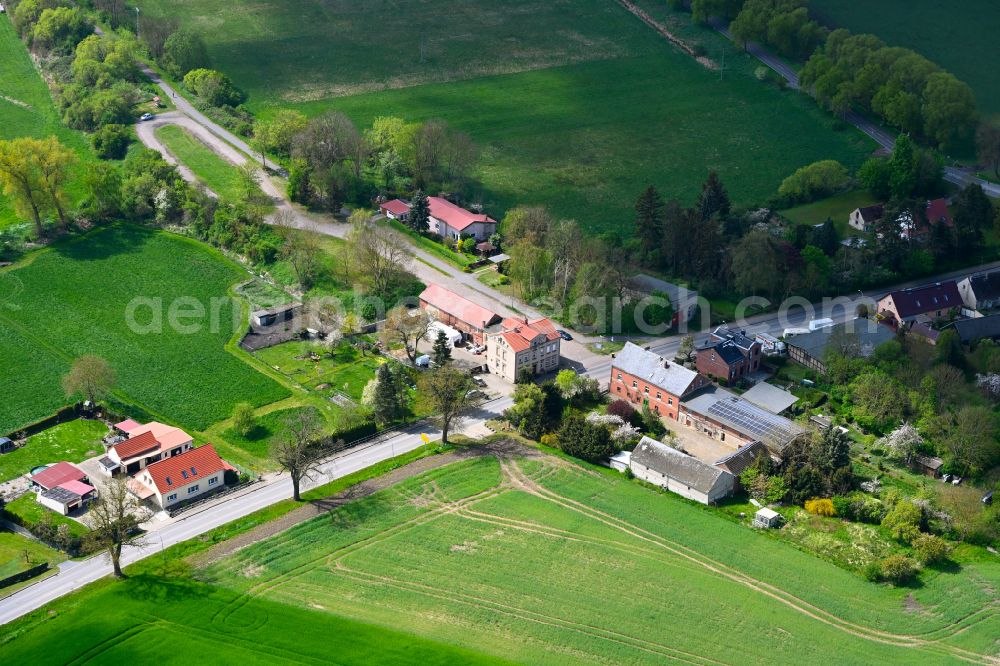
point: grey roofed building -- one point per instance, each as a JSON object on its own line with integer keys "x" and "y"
{"x": 744, "y": 417}
{"x": 770, "y": 397}
{"x": 680, "y": 473}
{"x": 653, "y": 368}
{"x": 681, "y": 298}
{"x": 739, "y": 460}
{"x": 809, "y": 349}
{"x": 979, "y": 328}
{"x": 738, "y": 338}
{"x": 981, "y": 291}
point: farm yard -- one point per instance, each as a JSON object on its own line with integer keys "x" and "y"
{"x": 960, "y": 38}
{"x": 583, "y": 138}
{"x": 74, "y": 299}
{"x": 516, "y": 558}
{"x": 26, "y": 108}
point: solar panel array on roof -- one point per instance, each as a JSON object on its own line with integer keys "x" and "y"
{"x": 752, "y": 420}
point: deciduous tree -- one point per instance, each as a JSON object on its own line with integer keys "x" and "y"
{"x": 450, "y": 393}
{"x": 407, "y": 328}
{"x": 90, "y": 376}
{"x": 297, "y": 449}
{"x": 114, "y": 518}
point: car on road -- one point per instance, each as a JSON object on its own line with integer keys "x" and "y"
{"x": 563, "y": 334}
{"x": 146, "y": 116}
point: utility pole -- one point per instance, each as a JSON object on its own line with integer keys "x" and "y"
{"x": 137, "y": 22}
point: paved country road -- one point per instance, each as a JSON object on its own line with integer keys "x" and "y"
{"x": 884, "y": 138}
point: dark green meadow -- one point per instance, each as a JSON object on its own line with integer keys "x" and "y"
{"x": 73, "y": 299}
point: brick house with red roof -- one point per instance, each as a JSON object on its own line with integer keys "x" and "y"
{"x": 460, "y": 313}
{"x": 181, "y": 477}
{"x": 517, "y": 344}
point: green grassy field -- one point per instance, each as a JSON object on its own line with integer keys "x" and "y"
{"x": 75, "y": 300}
{"x": 152, "y": 620}
{"x": 14, "y": 547}
{"x": 577, "y": 106}
{"x": 838, "y": 208}
{"x": 26, "y": 108}
{"x": 347, "y": 372}
{"x": 543, "y": 562}
{"x": 215, "y": 172}
{"x": 73, "y": 441}
{"x": 959, "y": 37}
{"x": 30, "y": 512}
{"x": 269, "y": 427}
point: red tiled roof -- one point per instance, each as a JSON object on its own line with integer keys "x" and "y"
{"x": 396, "y": 207}
{"x": 929, "y": 298}
{"x": 937, "y": 210}
{"x": 458, "y": 307}
{"x": 519, "y": 334}
{"x": 58, "y": 474}
{"x": 133, "y": 446}
{"x": 454, "y": 216}
{"x": 181, "y": 470}
{"x": 127, "y": 425}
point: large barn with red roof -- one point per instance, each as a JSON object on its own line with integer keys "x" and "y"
{"x": 458, "y": 312}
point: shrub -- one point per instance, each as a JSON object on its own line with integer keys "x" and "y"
{"x": 213, "y": 87}
{"x": 111, "y": 141}
{"x": 903, "y": 521}
{"x": 820, "y": 507}
{"x": 243, "y": 418}
{"x": 550, "y": 439}
{"x": 898, "y": 569}
{"x": 815, "y": 181}
{"x": 931, "y": 549}
{"x": 588, "y": 441}
{"x": 625, "y": 411}
{"x": 842, "y": 506}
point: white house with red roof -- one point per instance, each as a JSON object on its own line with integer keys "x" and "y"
{"x": 515, "y": 344}
{"x": 146, "y": 444}
{"x": 456, "y": 311}
{"x": 181, "y": 477}
{"x": 451, "y": 221}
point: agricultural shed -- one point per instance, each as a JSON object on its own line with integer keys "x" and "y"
{"x": 770, "y": 397}
{"x": 664, "y": 466}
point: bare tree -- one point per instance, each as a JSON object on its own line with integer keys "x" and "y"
{"x": 300, "y": 246}
{"x": 115, "y": 516}
{"x": 407, "y": 327}
{"x": 379, "y": 253}
{"x": 450, "y": 393}
{"x": 298, "y": 450}
{"x": 90, "y": 376}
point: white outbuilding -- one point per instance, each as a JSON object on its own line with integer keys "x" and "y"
{"x": 680, "y": 473}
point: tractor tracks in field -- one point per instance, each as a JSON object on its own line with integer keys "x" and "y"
{"x": 523, "y": 483}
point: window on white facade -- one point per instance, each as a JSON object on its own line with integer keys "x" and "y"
{"x": 213, "y": 481}
{"x": 193, "y": 489}
{"x": 171, "y": 498}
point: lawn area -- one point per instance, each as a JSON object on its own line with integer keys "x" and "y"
{"x": 838, "y": 208}
{"x": 75, "y": 301}
{"x": 268, "y": 428}
{"x": 73, "y": 441}
{"x": 26, "y": 109}
{"x": 960, "y": 38}
{"x": 346, "y": 372}
{"x": 580, "y": 129}
{"x": 29, "y": 512}
{"x": 432, "y": 246}
{"x": 215, "y": 172}
{"x": 13, "y": 548}
{"x": 522, "y": 570}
